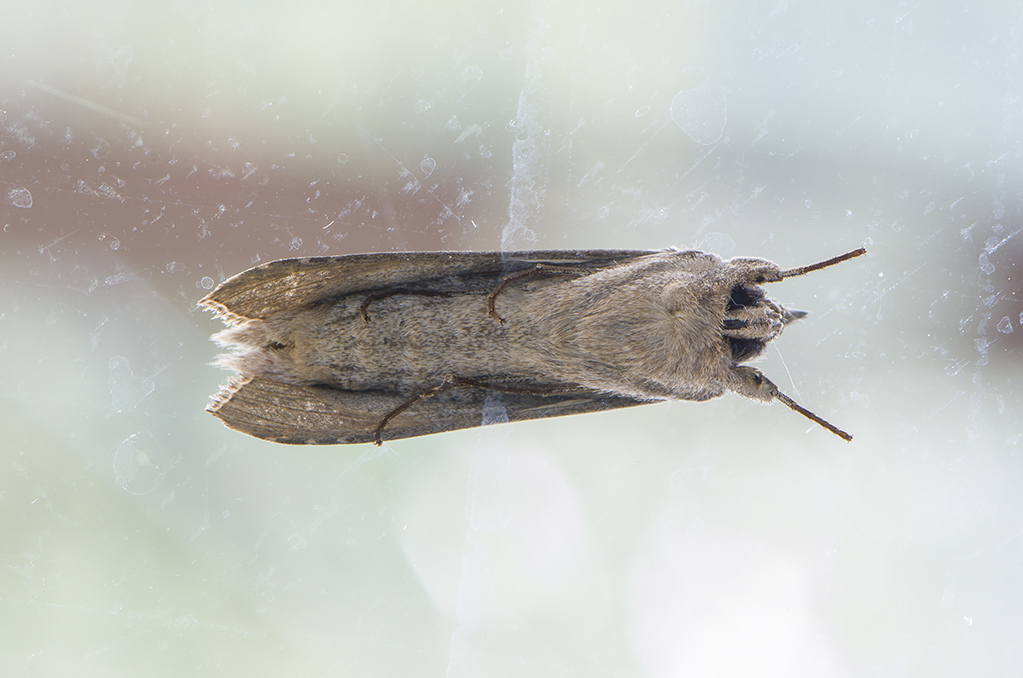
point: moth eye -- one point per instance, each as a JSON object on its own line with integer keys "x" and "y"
{"x": 743, "y": 297}
{"x": 744, "y": 349}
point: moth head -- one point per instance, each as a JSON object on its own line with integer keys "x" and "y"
{"x": 751, "y": 319}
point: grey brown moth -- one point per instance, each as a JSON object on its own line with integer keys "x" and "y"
{"x": 359, "y": 348}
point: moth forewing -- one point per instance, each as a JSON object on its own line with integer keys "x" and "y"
{"x": 368, "y": 347}
{"x": 287, "y": 284}
{"x": 320, "y": 415}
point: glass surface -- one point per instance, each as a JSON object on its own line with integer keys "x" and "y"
{"x": 149, "y": 151}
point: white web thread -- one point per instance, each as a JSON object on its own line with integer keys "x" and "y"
{"x": 526, "y": 187}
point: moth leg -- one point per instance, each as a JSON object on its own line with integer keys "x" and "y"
{"x": 378, "y": 432}
{"x": 377, "y": 296}
{"x": 470, "y": 382}
{"x": 538, "y": 271}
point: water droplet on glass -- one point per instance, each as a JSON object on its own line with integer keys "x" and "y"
{"x": 986, "y": 266}
{"x": 126, "y": 389}
{"x": 701, "y": 113}
{"x": 141, "y": 463}
{"x": 342, "y": 159}
{"x": 101, "y": 150}
{"x": 207, "y": 283}
{"x": 427, "y": 166}
{"x": 1005, "y": 325}
{"x": 643, "y": 110}
{"x": 20, "y": 197}
{"x": 112, "y": 242}
{"x": 119, "y": 278}
{"x": 7, "y": 156}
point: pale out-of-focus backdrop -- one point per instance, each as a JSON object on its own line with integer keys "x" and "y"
{"x": 148, "y": 151}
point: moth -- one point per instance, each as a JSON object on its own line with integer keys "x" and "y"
{"x": 368, "y": 347}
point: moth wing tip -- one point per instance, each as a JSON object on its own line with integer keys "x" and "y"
{"x": 223, "y": 396}
{"x": 287, "y": 413}
{"x": 220, "y": 310}
{"x": 210, "y": 301}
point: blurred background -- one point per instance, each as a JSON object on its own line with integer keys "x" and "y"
{"x": 147, "y": 152}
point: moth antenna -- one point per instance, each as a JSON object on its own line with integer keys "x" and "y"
{"x": 803, "y": 270}
{"x": 792, "y": 404}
